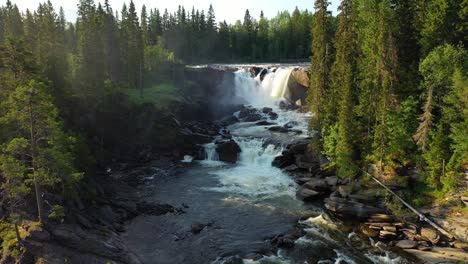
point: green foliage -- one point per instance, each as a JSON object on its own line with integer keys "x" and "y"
{"x": 57, "y": 213}
{"x": 163, "y": 96}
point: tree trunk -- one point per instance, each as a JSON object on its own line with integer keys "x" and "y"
{"x": 37, "y": 188}
{"x": 18, "y": 236}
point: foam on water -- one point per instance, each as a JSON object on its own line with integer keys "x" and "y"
{"x": 254, "y": 176}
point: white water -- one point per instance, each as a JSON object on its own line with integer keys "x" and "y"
{"x": 254, "y": 182}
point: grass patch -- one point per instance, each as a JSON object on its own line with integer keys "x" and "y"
{"x": 162, "y": 95}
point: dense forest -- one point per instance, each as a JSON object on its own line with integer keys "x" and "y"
{"x": 389, "y": 86}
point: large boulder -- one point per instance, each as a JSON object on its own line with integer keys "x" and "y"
{"x": 307, "y": 194}
{"x": 228, "y": 150}
{"x": 283, "y": 161}
{"x": 350, "y": 209}
{"x": 306, "y": 162}
{"x": 316, "y": 184}
{"x": 250, "y": 115}
{"x": 298, "y": 84}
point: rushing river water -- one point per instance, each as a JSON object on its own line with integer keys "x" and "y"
{"x": 245, "y": 204}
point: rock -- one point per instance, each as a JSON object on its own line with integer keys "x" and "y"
{"x": 249, "y": 115}
{"x": 287, "y": 105}
{"x": 344, "y": 190}
{"x": 387, "y": 234}
{"x": 307, "y": 194}
{"x": 228, "y": 151}
{"x": 264, "y": 123}
{"x": 390, "y": 228}
{"x": 283, "y": 161}
{"x": 350, "y": 209}
{"x": 197, "y": 228}
{"x": 279, "y": 129}
{"x": 37, "y": 233}
{"x": 303, "y": 180}
{"x": 361, "y": 198}
{"x": 229, "y": 120}
{"x": 370, "y": 232}
{"x": 155, "y": 209}
{"x": 291, "y": 168}
{"x": 285, "y": 242}
{"x": 298, "y": 148}
{"x": 379, "y": 217}
{"x": 267, "y": 110}
{"x": 318, "y": 185}
{"x": 431, "y": 235}
{"x": 301, "y": 76}
{"x": 291, "y": 124}
{"x": 233, "y": 260}
{"x": 273, "y": 115}
{"x": 332, "y": 180}
{"x": 306, "y": 162}
{"x": 406, "y": 244}
{"x": 461, "y": 245}
{"x": 297, "y": 87}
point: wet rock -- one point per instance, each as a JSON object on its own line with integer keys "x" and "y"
{"x": 279, "y": 129}
{"x": 287, "y": 105}
{"x": 264, "y": 123}
{"x": 229, "y": 120}
{"x": 291, "y": 124}
{"x": 228, "y": 151}
{"x": 285, "y": 242}
{"x": 267, "y": 110}
{"x": 155, "y": 209}
{"x": 233, "y": 260}
{"x": 303, "y": 180}
{"x": 249, "y": 115}
{"x": 344, "y": 190}
{"x": 406, "y": 244}
{"x": 431, "y": 235}
{"x": 273, "y": 115}
{"x": 283, "y": 161}
{"x": 380, "y": 217}
{"x": 197, "y": 228}
{"x": 307, "y": 194}
{"x": 291, "y": 168}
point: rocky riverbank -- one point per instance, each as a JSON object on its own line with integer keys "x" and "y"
{"x": 362, "y": 203}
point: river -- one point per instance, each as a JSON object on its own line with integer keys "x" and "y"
{"x": 246, "y": 204}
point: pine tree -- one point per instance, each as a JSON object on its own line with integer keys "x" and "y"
{"x": 40, "y": 149}
{"x": 321, "y": 62}
{"x": 343, "y": 74}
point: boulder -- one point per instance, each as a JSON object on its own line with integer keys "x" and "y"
{"x": 228, "y": 151}
{"x": 297, "y": 86}
{"x": 265, "y": 123}
{"x": 303, "y": 180}
{"x": 306, "y": 162}
{"x": 267, "y": 110}
{"x": 430, "y": 235}
{"x": 249, "y": 115}
{"x": 233, "y": 260}
{"x": 406, "y": 244}
{"x": 291, "y": 124}
{"x": 318, "y": 185}
{"x": 350, "y": 209}
{"x": 196, "y": 228}
{"x": 229, "y": 120}
{"x": 307, "y": 194}
{"x": 273, "y": 115}
{"x": 37, "y": 233}
{"x": 291, "y": 168}
{"x": 370, "y": 232}
{"x": 279, "y": 129}
{"x": 298, "y": 148}
{"x": 283, "y": 161}
{"x": 332, "y": 180}
{"x": 387, "y": 234}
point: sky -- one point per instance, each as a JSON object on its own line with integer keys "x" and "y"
{"x": 229, "y": 10}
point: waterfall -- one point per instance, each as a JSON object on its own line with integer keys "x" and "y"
{"x": 262, "y": 93}
{"x": 210, "y": 152}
